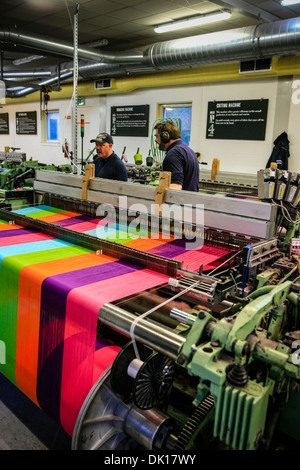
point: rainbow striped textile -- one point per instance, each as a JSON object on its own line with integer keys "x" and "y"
{"x": 50, "y": 294}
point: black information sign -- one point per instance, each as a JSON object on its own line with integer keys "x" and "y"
{"x": 130, "y": 121}
{"x": 238, "y": 120}
{"x": 4, "y": 123}
{"x": 26, "y": 123}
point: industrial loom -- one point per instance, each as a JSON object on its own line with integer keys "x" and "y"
{"x": 135, "y": 331}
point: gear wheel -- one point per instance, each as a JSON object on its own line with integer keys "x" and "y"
{"x": 191, "y": 427}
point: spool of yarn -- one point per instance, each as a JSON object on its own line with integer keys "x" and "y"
{"x": 138, "y": 159}
{"x": 124, "y": 157}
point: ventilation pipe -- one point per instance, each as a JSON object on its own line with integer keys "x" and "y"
{"x": 252, "y": 42}
{"x": 65, "y": 49}
{"x": 265, "y": 40}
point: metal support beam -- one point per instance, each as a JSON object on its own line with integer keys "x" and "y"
{"x": 75, "y": 87}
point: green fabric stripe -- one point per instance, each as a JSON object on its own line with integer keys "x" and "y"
{"x": 38, "y": 214}
{"x": 9, "y": 290}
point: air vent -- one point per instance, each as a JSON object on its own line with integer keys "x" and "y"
{"x": 103, "y": 83}
{"x": 259, "y": 65}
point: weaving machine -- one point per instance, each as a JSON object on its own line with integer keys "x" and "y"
{"x": 241, "y": 183}
{"x": 140, "y": 339}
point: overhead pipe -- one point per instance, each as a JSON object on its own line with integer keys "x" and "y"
{"x": 252, "y": 42}
{"x": 64, "y": 48}
{"x": 11, "y": 93}
{"x": 26, "y": 74}
{"x": 263, "y": 40}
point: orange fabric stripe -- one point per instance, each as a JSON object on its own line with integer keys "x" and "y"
{"x": 59, "y": 216}
{"x": 30, "y": 281}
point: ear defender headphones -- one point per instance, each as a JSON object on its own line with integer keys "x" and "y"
{"x": 165, "y": 135}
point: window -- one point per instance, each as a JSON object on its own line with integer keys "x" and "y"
{"x": 183, "y": 114}
{"x": 51, "y": 126}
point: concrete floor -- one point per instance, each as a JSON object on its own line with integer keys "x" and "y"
{"x": 23, "y": 426}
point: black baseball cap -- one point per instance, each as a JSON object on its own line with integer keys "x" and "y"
{"x": 102, "y": 138}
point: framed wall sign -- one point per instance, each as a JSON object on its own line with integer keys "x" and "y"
{"x": 26, "y": 123}
{"x": 130, "y": 121}
{"x": 4, "y": 123}
{"x": 237, "y": 120}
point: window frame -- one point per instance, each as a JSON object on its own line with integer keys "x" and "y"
{"x": 45, "y": 128}
{"x": 163, "y": 108}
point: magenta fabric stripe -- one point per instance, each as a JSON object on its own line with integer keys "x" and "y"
{"x": 93, "y": 296}
{"x": 52, "y": 324}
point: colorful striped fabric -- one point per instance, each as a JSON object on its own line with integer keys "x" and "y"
{"x": 50, "y": 294}
{"x": 163, "y": 245}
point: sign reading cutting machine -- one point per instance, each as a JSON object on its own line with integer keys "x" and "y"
{"x": 238, "y": 120}
{"x": 132, "y": 121}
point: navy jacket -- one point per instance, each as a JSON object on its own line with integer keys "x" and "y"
{"x": 281, "y": 152}
{"x": 183, "y": 164}
{"x": 111, "y": 168}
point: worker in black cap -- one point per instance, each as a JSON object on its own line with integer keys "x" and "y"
{"x": 107, "y": 164}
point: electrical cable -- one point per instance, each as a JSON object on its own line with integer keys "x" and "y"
{"x": 245, "y": 269}
{"x": 285, "y": 212}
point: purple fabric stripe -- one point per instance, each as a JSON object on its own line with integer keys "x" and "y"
{"x": 55, "y": 290}
{"x": 170, "y": 249}
{"x": 16, "y": 231}
{"x": 74, "y": 220}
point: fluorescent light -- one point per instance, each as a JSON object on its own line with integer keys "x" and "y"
{"x": 193, "y": 21}
{"x": 286, "y": 3}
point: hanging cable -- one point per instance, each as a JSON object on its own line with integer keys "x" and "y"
{"x": 245, "y": 269}
{"x": 285, "y": 212}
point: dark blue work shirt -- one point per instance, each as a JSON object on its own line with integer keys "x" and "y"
{"x": 183, "y": 164}
{"x": 111, "y": 168}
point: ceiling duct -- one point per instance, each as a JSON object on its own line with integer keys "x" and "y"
{"x": 263, "y": 40}
{"x": 253, "y": 42}
{"x": 64, "y": 49}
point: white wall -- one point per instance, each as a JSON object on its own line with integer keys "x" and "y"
{"x": 294, "y": 126}
{"x": 234, "y": 155}
{"x": 51, "y": 153}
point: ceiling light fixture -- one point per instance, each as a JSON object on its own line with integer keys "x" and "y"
{"x": 194, "y": 21}
{"x": 286, "y": 3}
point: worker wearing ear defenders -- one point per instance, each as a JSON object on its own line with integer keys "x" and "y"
{"x": 180, "y": 160}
